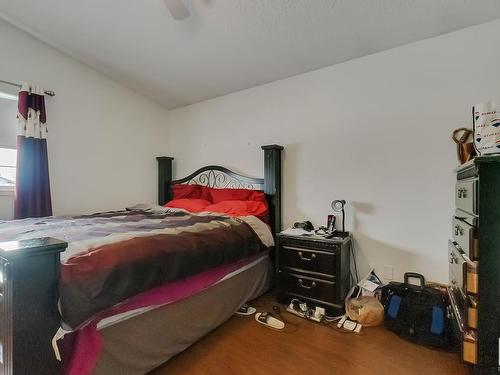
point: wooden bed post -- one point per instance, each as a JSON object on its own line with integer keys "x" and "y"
{"x": 164, "y": 179}
{"x": 272, "y": 182}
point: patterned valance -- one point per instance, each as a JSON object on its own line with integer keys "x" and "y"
{"x": 31, "y": 112}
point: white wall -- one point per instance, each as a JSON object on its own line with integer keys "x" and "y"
{"x": 375, "y": 131}
{"x": 103, "y": 138}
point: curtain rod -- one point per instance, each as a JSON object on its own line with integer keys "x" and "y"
{"x": 18, "y": 85}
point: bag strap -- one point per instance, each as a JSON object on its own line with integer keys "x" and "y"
{"x": 463, "y": 138}
{"x": 414, "y": 275}
{"x": 461, "y": 141}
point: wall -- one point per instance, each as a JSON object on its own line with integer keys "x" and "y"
{"x": 374, "y": 131}
{"x": 103, "y": 138}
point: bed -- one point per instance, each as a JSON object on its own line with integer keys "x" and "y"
{"x": 136, "y": 286}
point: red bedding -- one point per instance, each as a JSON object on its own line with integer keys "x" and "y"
{"x": 241, "y": 208}
{"x": 185, "y": 191}
{"x": 233, "y": 202}
{"x": 192, "y": 205}
{"x": 222, "y": 195}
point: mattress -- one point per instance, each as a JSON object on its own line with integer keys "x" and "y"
{"x": 141, "y": 342}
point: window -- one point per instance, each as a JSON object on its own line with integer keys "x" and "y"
{"x": 8, "y": 160}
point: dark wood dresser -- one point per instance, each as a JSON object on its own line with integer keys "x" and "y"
{"x": 314, "y": 270}
{"x": 474, "y": 262}
{"x": 29, "y": 318}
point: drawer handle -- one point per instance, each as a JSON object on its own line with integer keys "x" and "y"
{"x": 453, "y": 258}
{"x": 302, "y": 285}
{"x": 462, "y": 193}
{"x": 301, "y": 256}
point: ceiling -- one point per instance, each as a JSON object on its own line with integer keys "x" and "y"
{"x": 230, "y": 45}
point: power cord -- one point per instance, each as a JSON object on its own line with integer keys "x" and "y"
{"x": 328, "y": 320}
{"x": 353, "y": 256}
{"x": 301, "y": 309}
{"x": 342, "y": 330}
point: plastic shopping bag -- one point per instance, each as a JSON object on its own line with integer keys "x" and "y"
{"x": 366, "y": 310}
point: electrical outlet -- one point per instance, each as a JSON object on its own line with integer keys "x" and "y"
{"x": 389, "y": 272}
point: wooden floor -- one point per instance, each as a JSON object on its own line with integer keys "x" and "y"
{"x": 242, "y": 346}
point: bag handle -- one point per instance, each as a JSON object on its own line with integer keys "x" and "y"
{"x": 463, "y": 138}
{"x": 414, "y": 275}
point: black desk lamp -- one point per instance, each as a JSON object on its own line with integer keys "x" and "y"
{"x": 337, "y": 206}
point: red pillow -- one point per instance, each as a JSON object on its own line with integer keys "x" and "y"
{"x": 221, "y": 195}
{"x": 205, "y": 193}
{"x": 185, "y": 191}
{"x": 241, "y": 208}
{"x": 192, "y": 205}
{"x": 182, "y": 191}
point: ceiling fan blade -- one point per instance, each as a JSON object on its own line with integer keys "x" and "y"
{"x": 177, "y": 9}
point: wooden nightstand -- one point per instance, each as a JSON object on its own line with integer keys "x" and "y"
{"x": 314, "y": 270}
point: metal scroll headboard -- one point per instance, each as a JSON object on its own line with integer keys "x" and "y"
{"x": 215, "y": 176}
{"x": 220, "y": 177}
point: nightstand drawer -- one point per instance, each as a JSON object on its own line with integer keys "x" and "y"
{"x": 306, "y": 286}
{"x": 309, "y": 243}
{"x": 307, "y": 259}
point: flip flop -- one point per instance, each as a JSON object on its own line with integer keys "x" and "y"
{"x": 246, "y": 310}
{"x": 269, "y": 321}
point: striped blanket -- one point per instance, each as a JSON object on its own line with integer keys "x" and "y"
{"x": 113, "y": 256}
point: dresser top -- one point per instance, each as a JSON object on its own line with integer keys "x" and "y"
{"x": 471, "y": 168}
{"x": 495, "y": 158}
{"x": 487, "y": 159}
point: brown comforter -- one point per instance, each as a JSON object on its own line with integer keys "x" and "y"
{"x": 116, "y": 255}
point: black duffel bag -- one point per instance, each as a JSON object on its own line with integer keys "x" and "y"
{"x": 418, "y": 313}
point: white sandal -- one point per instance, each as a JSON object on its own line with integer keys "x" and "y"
{"x": 270, "y": 321}
{"x": 246, "y": 310}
